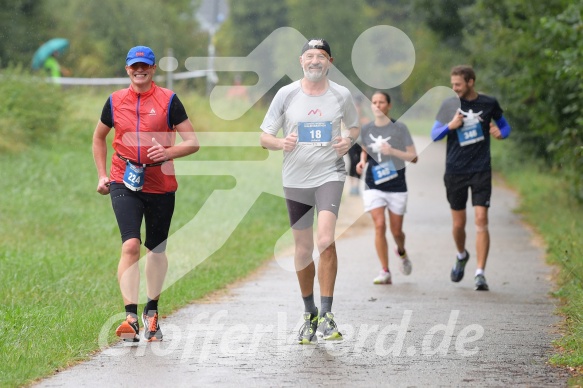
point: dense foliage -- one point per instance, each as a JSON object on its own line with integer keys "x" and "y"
{"x": 531, "y": 54}
{"x": 528, "y": 54}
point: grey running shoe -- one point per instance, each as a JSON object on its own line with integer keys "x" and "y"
{"x": 152, "y": 330}
{"x": 307, "y": 333}
{"x": 480, "y": 282}
{"x": 327, "y": 328}
{"x": 405, "y": 265}
{"x": 457, "y": 272}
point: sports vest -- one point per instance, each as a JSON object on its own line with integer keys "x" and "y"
{"x": 137, "y": 118}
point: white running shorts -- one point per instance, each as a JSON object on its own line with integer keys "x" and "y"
{"x": 396, "y": 202}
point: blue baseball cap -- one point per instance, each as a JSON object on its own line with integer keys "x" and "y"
{"x": 140, "y": 54}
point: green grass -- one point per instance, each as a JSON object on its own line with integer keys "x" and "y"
{"x": 60, "y": 242}
{"x": 548, "y": 206}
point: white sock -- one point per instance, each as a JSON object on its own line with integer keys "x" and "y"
{"x": 479, "y": 271}
{"x": 461, "y": 255}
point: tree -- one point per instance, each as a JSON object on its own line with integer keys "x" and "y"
{"x": 250, "y": 22}
{"x": 102, "y": 32}
{"x": 444, "y": 18}
{"x": 434, "y": 41}
{"x": 23, "y": 29}
{"x": 530, "y": 52}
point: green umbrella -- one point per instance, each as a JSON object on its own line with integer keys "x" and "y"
{"x": 47, "y": 49}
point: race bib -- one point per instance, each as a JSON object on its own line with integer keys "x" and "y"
{"x": 470, "y": 134}
{"x": 384, "y": 172}
{"x": 133, "y": 177}
{"x": 315, "y": 134}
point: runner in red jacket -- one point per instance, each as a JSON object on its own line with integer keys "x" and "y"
{"x": 141, "y": 182}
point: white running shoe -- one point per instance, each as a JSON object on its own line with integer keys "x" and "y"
{"x": 405, "y": 265}
{"x": 383, "y": 278}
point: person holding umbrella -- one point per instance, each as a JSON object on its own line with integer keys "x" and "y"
{"x": 46, "y": 57}
{"x": 53, "y": 68}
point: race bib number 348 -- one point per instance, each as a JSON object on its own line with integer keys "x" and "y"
{"x": 470, "y": 134}
{"x": 384, "y": 172}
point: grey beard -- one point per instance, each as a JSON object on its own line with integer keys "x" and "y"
{"x": 314, "y": 77}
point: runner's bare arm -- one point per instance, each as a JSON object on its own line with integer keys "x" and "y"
{"x": 409, "y": 155}
{"x": 343, "y": 144}
{"x": 100, "y": 156}
{"x": 273, "y": 143}
{"x": 362, "y": 162}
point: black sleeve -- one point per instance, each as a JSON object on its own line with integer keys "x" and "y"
{"x": 106, "y": 117}
{"x": 447, "y": 110}
{"x": 177, "y": 112}
{"x": 497, "y": 113}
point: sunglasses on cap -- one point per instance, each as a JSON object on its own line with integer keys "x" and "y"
{"x": 139, "y": 65}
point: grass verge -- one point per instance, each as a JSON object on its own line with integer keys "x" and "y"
{"x": 61, "y": 244}
{"x": 547, "y": 205}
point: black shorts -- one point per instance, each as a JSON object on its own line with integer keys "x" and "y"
{"x": 457, "y": 187}
{"x": 130, "y": 207}
{"x": 301, "y": 202}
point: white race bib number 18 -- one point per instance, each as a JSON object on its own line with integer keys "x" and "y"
{"x": 315, "y": 133}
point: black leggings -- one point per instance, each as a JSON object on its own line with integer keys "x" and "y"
{"x": 130, "y": 207}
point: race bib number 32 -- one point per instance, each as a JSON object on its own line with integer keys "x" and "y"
{"x": 315, "y": 133}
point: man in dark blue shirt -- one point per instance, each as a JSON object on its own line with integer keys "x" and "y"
{"x": 468, "y": 121}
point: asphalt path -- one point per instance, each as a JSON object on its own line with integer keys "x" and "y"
{"x": 423, "y": 330}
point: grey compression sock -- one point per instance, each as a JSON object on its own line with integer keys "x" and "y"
{"x": 310, "y": 306}
{"x": 326, "y": 304}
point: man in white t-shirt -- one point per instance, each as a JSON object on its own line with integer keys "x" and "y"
{"x": 310, "y": 112}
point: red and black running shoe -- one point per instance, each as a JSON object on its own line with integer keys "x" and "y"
{"x": 129, "y": 329}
